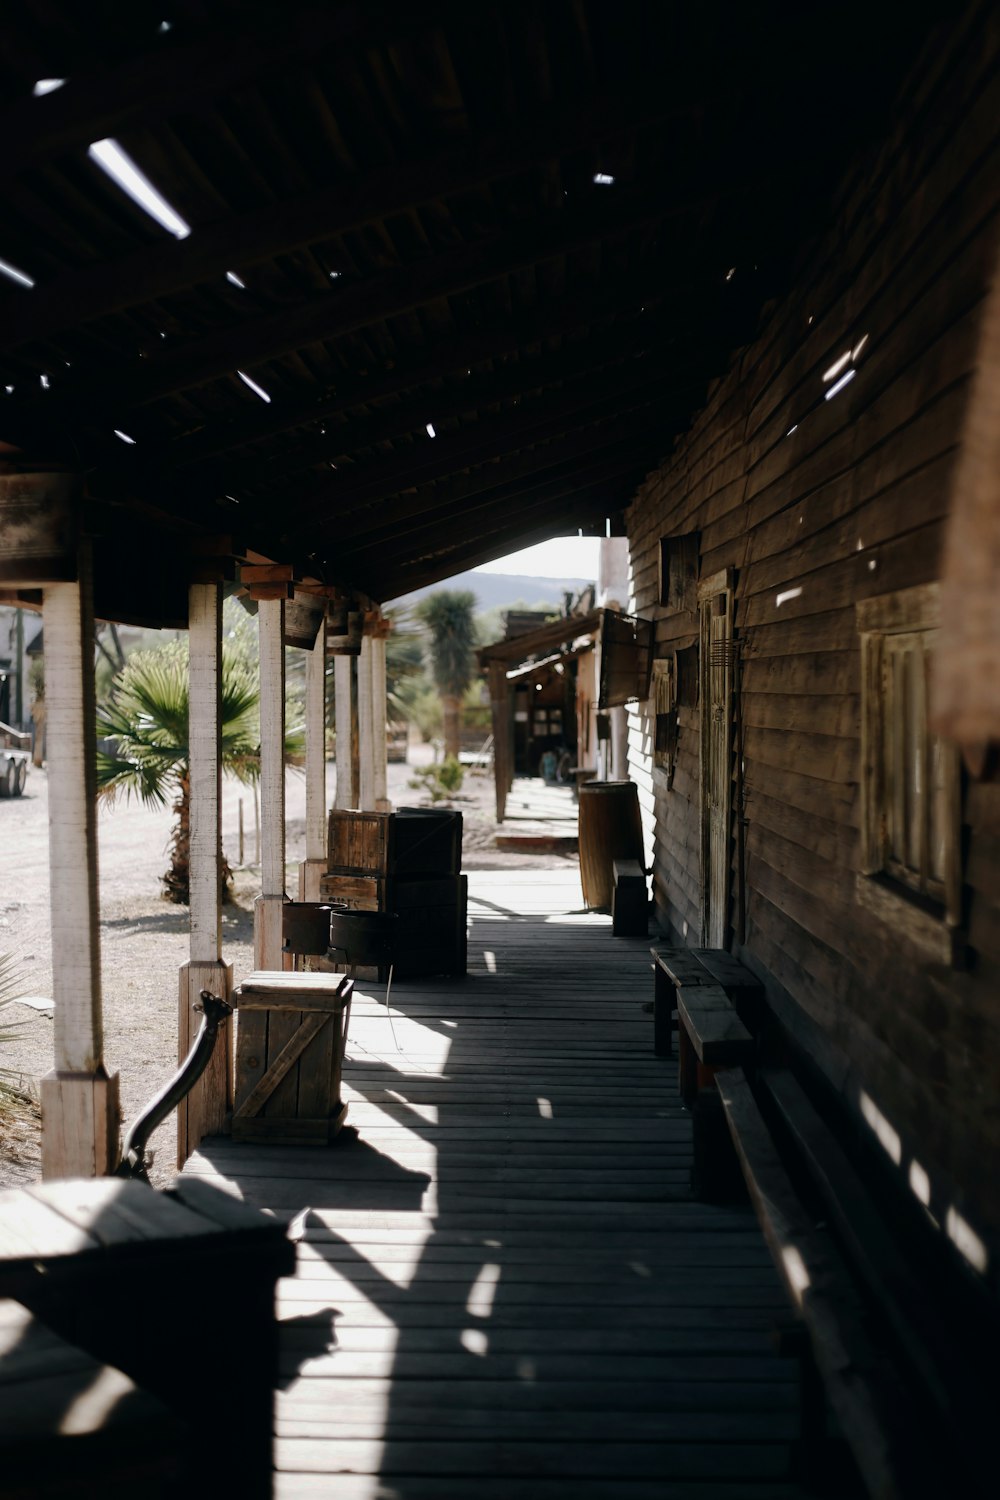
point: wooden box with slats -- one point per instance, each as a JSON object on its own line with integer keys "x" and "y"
{"x": 290, "y": 1045}
{"x": 359, "y": 843}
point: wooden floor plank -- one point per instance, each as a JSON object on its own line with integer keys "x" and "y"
{"x": 504, "y": 1286}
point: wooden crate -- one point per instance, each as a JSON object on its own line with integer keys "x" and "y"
{"x": 431, "y": 922}
{"x": 290, "y": 1044}
{"x": 359, "y": 843}
{"x": 358, "y": 892}
{"x": 425, "y": 841}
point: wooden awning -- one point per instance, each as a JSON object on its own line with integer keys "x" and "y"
{"x": 441, "y": 279}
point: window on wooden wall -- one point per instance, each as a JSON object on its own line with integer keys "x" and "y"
{"x": 678, "y": 571}
{"x": 911, "y": 779}
{"x": 664, "y": 716}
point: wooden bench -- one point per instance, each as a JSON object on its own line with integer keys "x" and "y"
{"x": 175, "y": 1290}
{"x": 915, "y": 1411}
{"x": 716, "y": 1001}
{"x": 629, "y": 899}
{"x": 72, "y": 1425}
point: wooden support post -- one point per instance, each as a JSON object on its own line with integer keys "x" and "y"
{"x": 79, "y": 1101}
{"x": 205, "y": 1109}
{"x": 366, "y": 727}
{"x": 379, "y": 745}
{"x": 313, "y": 867}
{"x": 267, "y": 940}
{"x": 347, "y": 792}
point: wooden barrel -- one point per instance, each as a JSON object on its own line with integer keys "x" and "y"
{"x": 610, "y": 829}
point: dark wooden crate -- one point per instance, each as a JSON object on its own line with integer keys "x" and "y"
{"x": 430, "y": 934}
{"x": 426, "y": 841}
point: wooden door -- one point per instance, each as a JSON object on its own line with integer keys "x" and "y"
{"x": 715, "y": 607}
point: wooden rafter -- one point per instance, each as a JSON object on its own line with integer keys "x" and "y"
{"x": 509, "y": 382}
{"x": 175, "y": 78}
{"x": 577, "y": 505}
{"x": 494, "y": 339}
{"x": 573, "y": 409}
{"x": 507, "y": 501}
{"x": 341, "y": 311}
{"x": 420, "y": 572}
{"x": 241, "y": 240}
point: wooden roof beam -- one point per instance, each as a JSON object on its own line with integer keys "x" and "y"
{"x": 251, "y": 342}
{"x": 612, "y": 348}
{"x": 445, "y": 356}
{"x": 76, "y": 297}
{"x": 644, "y": 429}
{"x": 455, "y": 515}
{"x": 570, "y": 494}
{"x": 582, "y": 403}
{"x": 423, "y": 571}
{"x": 177, "y": 76}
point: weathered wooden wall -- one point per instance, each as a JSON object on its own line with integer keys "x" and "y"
{"x": 842, "y": 500}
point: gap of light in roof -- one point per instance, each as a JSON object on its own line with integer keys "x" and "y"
{"x": 430, "y": 430}
{"x": 122, "y": 170}
{"x": 845, "y": 379}
{"x": 124, "y": 437}
{"x": 232, "y": 277}
{"x": 47, "y": 86}
{"x": 252, "y": 385}
{"x": 13, "y": 274}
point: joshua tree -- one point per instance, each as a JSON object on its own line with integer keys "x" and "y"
{"x": 448, "y": 615}
{"x": 147, "y": 719}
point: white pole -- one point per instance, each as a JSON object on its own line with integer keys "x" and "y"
{"x": 314, "y": 864}
{"x": 379, "y": 716}
{"x": 205, "y": 746}
{"x": 79, "y": 1101}
{"x": 346, "y": 795}
{"x": 203, "y": 1111}
{"x": 366, "y": 727}
{"x": 267, "y": 925}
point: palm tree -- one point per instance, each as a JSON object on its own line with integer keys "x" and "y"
{"x": 448, "y": 615}
{"x": 146, "y": 718}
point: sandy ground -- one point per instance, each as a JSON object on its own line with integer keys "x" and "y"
{"x": 144, "y": 939}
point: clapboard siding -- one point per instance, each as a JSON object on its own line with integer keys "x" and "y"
{"x": 818, "y": 504}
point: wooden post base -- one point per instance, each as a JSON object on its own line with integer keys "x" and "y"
{"x": 382, "y": 804}
{"x": 206, "y": 1109}
{"x": 311, "y": 872}
{"x": 81, "y": 1123}
{"x": 268, "y": 937}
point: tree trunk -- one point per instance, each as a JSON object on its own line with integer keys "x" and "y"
{"x": 176, "y": 880}
{"x": 452, "y": 708}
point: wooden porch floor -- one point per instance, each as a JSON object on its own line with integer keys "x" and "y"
{"x": 504, "y": 1287}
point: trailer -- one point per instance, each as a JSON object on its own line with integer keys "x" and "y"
{"x": 15, "y": 757}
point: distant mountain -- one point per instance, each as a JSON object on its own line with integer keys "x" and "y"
{"x": 500, "y": 590}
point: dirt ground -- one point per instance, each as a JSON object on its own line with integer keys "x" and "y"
{"x": 144, "y": 939}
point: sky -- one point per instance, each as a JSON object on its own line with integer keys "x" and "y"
{"x": 565, "y": 557}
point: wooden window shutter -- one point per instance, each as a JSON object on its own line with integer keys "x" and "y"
{"x": 626, "y": 659}
{"x": 678, "y": 580}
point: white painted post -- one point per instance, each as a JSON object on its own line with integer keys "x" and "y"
{"x": 366, "y": 727}
{"x": 267, "y": 909}
{"x": 203, "y": 1111}
{"x": 80, "y": 1119}
{"x": 313, "y": 867}
{"x": 380, "y": 747}
{"x": 347, "y": 792}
